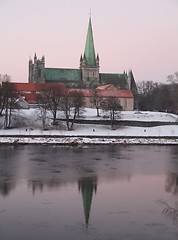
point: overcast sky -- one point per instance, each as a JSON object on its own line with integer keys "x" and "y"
{"x": 137, "y": 34}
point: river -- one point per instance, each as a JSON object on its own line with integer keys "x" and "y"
{"x": 93, "y": 192}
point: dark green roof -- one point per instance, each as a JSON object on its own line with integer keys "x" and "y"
{"x": 118, "y": 80}
{"x": 89, "y": 53}
{"x": 62, "y": 75}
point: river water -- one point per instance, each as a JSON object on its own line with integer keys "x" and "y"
{"x": 91, "y": 192}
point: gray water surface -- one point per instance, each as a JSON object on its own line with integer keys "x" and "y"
{"x": 91, "y": 192}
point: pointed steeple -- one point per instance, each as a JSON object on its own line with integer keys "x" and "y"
{"x": 130, "y": 79}
{"x": 87, "y": 186}
{"x": 89, "y": 47}
{"x": 97, "y": 57}
{"x": 97, "y": 60}
{"x": 35, "y": 57}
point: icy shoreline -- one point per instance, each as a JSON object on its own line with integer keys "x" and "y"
{"x": 28, "y": 130}
{"x": 74, "y": 141}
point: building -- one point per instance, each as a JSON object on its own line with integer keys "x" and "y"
{"x": 125, "y": 96}
{"x": 30, "y": 92}
{"x": 86, "y": 76}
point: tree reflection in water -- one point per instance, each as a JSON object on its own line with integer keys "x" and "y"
{"x": 169, "y": 211}
{"x": 8, "y": 169}
{"x": 6, "y": 187}
{"x": 171, "y": 187}
{"x": 172, "y": 183}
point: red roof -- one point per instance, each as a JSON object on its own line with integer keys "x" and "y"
{"x": 32, "y": 87}
{"x": 85, "y": 92}
{"x": 31, "y": 91}
{"x": 118, "y": 93}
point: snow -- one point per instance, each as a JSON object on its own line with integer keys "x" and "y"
{"x": 90, "y": 113}
{"x": 29, "y": 130}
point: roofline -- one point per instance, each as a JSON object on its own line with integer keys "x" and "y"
{"x": 63, "y": 68}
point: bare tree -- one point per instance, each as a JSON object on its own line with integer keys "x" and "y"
{"x": 2, "y": 102}
{"x": 43, "y": 105}
{"x": 4, "y": 90}
{"x": 5, "y": 78}
{"x": 78, "y": 101}
{"x": 112, "y": 105}
{"x": 146, "y": 95}
{"x": 52, "y": 96}
{"x": 72, "y": 102}
{"x": 173, "y": 91}
{"x": 159, "y": 96}
{"x": 8, "y": 104}
{"x": 173, "y": 78}
{"x": 145, "y": 87}
{"x": 96, "y": 100}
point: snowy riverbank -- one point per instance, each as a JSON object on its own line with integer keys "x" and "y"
{"x": 29, "y": 131}
{"x": 74, "y": 141}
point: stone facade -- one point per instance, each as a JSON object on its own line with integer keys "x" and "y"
{"x": 36, "y": 70}
{"x": 90, "y": 74}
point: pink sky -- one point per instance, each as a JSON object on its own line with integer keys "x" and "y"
{"x": 137, "y": 34}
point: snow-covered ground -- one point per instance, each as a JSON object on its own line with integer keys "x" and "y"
{"x": 136, "y": 116}
{"x": 28, "y": 130}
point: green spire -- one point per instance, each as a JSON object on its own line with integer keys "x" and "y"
{"x": 89, "y": 47}
{"x": 87, "y": 186}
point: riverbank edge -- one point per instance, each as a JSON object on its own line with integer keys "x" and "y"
{"x": 88, "y": 140}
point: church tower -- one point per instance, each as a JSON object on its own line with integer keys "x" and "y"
{"x": 36, "y": 70}
{"x": 89, "y": 63}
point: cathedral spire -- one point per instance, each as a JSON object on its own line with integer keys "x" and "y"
{"x": 89, "y": 47}
{"x": 87, "y": 185}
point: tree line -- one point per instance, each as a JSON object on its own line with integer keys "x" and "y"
{"x": 156, "y": 96}
{"x": 72, "y": 102}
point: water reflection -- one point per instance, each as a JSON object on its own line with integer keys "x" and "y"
{"x": 8, "y": 170}
{"x": 5, "y": 187}
{"x": 87, "y": 186}
{"x": 109, "y": 190}
{"x": 172, "y": 183}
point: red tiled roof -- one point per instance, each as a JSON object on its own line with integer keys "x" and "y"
{"x": 31, "y": 91}
{"x": 32, "y": 87}
{"x": 107, "y": 93}
{"x": 116, "y": 93}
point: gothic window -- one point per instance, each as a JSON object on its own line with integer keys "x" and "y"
{"x": 91, "y": 74}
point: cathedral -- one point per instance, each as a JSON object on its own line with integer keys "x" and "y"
{"x": 86, "y": 76}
